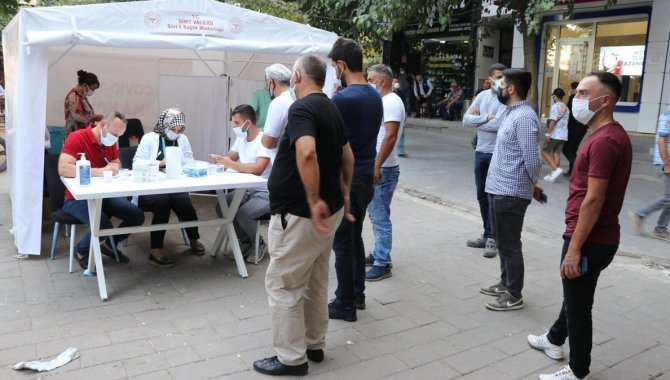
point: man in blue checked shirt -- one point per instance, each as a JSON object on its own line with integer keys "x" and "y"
{"x": 511, "y": 184}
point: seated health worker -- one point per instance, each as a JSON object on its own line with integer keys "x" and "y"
{"x": 98, "y": 142}
{"x": 168, "y": 132}
{"x": 247, "y": 155}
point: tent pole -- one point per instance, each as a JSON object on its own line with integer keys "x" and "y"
{"x": 206, "y": 64}
{"x": 247, "y": 64}
{"x": 63, "y": 54}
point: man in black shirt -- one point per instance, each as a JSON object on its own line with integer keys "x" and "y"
{"x": 309, "y": 195}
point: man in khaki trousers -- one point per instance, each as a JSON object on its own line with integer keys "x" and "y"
{"x": 309, "y": 195}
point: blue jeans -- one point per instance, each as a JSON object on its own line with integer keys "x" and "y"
{"x": 660, "y": 203}
{"x": 575, "y": 321}
{"x": 451, "y": 113}
{"x": 121, "y": 208}
{"x": 507, "y": 214}
{"x": 482, "y": 162}
{"x": 379, "y": 211}
{"x": 348, "y": 244}
{"x": 400, "y": 146}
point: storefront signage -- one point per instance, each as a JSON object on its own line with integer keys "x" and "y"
{"x": 622, "y": 60}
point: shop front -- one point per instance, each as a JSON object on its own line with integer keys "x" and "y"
{"x": 630, "y": 40}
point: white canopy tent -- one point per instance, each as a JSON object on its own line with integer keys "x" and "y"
{"x": 200, "y": 55}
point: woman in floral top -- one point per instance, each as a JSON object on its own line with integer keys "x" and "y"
{"x": 78, "y": 110}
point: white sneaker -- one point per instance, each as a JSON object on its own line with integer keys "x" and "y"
{"x": 564, "y": 373}
{"x": 540, "y": 342}
{"x": 547, "y": 177}
{"x": 555, "y": 174}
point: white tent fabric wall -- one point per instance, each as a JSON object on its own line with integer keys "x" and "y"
{"x": 203, "y": 101}
{"x": 133, "y": 34}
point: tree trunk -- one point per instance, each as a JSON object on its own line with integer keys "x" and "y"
{"x": 530, "y": 64}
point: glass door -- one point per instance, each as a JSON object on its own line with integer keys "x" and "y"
{"x": 571, "y": 64}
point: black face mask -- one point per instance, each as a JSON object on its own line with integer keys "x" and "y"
{"x": 501, "y": 98}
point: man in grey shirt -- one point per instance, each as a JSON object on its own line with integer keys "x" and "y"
{"x": 483, "y": 114}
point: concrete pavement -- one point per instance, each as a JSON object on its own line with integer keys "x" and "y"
{"x": 201, "y": 320}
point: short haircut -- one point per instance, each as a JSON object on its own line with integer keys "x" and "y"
{"x": 313, "y": 67}
{"x": 559, "y": 93}
{"x": 382, "y": 70}
{"x": 520, "y": 79}
{"x": 349, "y": 51}
{"x": 278, "y": 73}
{"x": 84, "y": 77}
{"x": 496, "y": 66}
{"x": 116, "y": 115}
{"x": 573, "y": 85}
{"x": 245, "y": 111}
{"x": 609, "y": 81}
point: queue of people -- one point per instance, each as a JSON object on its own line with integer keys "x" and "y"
{"x": 330, "y": 161}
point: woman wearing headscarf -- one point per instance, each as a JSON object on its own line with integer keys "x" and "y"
{"x": 78, "y": 110}
{"x": 168, "y": 132}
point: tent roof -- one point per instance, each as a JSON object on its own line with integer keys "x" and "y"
{"x": 172, "y": 24}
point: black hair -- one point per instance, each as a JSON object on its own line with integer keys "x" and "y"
{"x": 520, "y": 79}
{"x": 496, "y": 66}
{"x": 87, "y": 78}
{"x": 245, "y": 111}
{"x": 349, "y": 51}
{"x": 573, "y": 85}
{"x": 610, "y": 81}
{"x": 559, "y": 93}
{"x": 313, "y": 67}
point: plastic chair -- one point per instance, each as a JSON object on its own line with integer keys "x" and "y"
{"x": 257, "y": 240}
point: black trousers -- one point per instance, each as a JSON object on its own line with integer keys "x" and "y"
{"x": 575, "y": 135}
{"x": 161, "y": 205}
{"x": 575, "y": 321}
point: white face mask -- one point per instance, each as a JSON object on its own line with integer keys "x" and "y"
{"x": 581, "y": 111}
{"x": 172, "y": 136}
{"x": 496, "y": 83}
{"x": 396, "y": 86}
{"x": 238, "y": 130}
{"x": 109, "y": 139}
{"x": 292, "y": 89}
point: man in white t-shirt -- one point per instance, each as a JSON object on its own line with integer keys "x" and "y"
{"x": 557, "y": 134}
{"x": 247, "y": 155}
{"x": 277, "y": 78}
{"x": 387, "y": 171}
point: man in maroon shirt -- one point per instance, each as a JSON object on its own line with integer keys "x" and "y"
{"x": 597, "y": 188}
{"x": 98, "y": 142}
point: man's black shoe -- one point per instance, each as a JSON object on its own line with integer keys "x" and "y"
{"x": 273, "y": 367}
{"x": 359, "y": 303}
{"x": 336, "y": 311}
{"x": 315, "y": 355}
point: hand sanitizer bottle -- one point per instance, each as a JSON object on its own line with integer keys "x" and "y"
{"x": 83, "y": 170}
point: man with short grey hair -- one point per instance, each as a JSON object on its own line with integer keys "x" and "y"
{"x": 387, "y": 171}
{"x": 277, "y": 78}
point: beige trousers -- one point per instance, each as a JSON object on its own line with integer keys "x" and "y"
{"x": 297, "y": 285}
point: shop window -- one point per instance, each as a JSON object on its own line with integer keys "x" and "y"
{"x": 576, "y": 30}
{"x": 619, "y": 48}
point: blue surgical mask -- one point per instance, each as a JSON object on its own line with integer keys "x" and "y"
{"x": 172, "y": 136}
{"x": 239, "y": 132}
{"x": 109, "y": 139}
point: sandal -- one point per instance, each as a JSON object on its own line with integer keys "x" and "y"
{"x": 198, "y": 248}
{"x": 163, "y": 262}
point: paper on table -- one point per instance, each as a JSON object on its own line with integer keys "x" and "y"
{"x": 62, "y": 359}
{"x": 173, "y": 162}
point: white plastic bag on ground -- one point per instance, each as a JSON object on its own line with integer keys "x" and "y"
{"x": 62, "y": 359}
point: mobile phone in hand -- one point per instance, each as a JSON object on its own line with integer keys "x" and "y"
{"x": 543, "y": 197}
{"x": 584, "y": 266}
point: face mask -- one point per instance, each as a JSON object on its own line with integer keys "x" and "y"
{"x": 108, "y": 140}
{"x": 238, "y": 131}
{"x": 172, "y": 136}
{"x": 501, "y": 98}
{"x": 581, "y": 111}
{"x": 272, "y": 93}
{"x": 396, "y": 86}
{"x": 496, "y": 84}
{"x": 89, "y": 93}
{"x": 292, "y": 90}
{"x": 342, "y": 83}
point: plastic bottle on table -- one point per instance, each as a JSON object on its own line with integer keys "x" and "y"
{"x": 83, "y": 174}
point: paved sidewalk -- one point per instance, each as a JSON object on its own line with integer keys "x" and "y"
{"x": 200, "y": 320}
